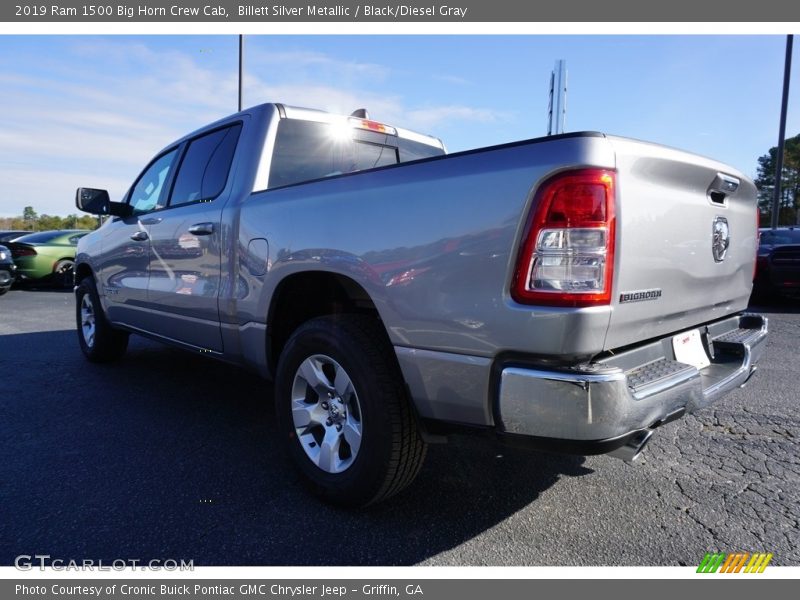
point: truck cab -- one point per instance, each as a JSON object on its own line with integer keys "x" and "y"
{"x": 163, "y": 261}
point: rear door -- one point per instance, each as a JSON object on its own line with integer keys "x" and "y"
{"x": 687, "y": 238}
{"x": 186, "y": 243}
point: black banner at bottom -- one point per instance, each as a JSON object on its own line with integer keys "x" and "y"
{"x": 354, "y": 589}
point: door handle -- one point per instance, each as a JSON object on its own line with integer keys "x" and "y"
{"x": 150, "y": 221}
{"x": 202, "y": 229}
{"x": 140, "y": 236}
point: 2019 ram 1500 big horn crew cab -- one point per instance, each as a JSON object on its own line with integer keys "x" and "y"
{"x": 574, "y": 292}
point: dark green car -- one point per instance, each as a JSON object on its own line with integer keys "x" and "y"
{"x": 47, "y": 255}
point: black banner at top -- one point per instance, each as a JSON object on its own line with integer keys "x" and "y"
{"x": 433, "y": 11}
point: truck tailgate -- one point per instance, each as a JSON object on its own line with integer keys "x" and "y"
{"x": 667, "y": 277}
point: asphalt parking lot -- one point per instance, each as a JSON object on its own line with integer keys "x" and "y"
{"x": 171, "y": 455}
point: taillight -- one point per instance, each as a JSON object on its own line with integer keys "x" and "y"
{"x": 371, "y": 126}
{"x": 18, "y": 251}
{"x": 567, "y": 255}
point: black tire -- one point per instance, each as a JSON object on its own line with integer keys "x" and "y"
{"x": 64, "y": 273}
{"x": 3, "y": 290}
{"x": 391, "y": 450}
{"x": 107, "y": 344}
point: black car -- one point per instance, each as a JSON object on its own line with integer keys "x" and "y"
{"x": 778, "y": 263}
{"x": 10, "y": 235}
{"x": 8, "y": 270}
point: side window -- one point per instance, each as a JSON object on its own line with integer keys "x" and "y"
{"x": 205, "y": 166}
{"x": 148, "y": 191}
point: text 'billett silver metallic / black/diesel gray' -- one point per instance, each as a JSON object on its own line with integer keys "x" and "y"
{"x": 574, "y": 292}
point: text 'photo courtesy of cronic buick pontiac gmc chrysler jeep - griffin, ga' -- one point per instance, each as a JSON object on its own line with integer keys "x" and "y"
{"x": 572, "y": 293}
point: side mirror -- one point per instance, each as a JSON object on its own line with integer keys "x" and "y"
{"x": 97, "y": 202}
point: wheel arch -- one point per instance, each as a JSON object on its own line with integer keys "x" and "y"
{"x": 305, "y": 295}
{"x": 62, "y": 259}
{"x": 82, "y": 271}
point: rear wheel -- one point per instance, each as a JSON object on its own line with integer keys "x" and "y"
{"x": 98, "y": 340}
{"x": 64, "y": 273}
{"x": 344, "y": 413}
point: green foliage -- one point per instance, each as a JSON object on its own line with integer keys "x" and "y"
{"x": 790, "y": 183}
{"x": 29, "y": 215}
{"x": 30, "y": 220}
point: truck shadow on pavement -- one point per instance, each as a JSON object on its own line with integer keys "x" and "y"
{"x": 168, "y": 455}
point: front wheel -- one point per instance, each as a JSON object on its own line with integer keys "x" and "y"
{"x": 344, "y": 413}
{"x": 98, "y": 340}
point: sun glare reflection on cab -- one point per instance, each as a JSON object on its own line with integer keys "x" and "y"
{"x": 341, "y": 131}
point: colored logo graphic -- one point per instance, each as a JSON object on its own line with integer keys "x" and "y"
{"x": 743, "y": 562}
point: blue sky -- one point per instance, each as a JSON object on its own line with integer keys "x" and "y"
{"x": 92, "y": 110}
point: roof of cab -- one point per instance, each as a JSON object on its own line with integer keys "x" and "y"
{"x": 307, "y": 114}
{"x": 313, "y": 114}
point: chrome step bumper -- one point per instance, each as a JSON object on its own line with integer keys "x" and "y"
{"x": 627, "y": 393}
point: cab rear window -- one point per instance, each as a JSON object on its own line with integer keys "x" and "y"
{"x": 306, "y": 150}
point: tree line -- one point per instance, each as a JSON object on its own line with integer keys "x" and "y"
{"x": 789, "y": 205}
{"x": 30, "y": 220}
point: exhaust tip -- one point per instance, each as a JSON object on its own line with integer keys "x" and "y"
{"x": 634, "y": 446}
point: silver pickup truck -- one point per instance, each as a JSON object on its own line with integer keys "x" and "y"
{"x": 570, "y": 293}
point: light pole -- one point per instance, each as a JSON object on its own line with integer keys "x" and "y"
{"x": 557, "y": 111}
{"x": 787, "y": 70}
{"x": 241, "y": 67}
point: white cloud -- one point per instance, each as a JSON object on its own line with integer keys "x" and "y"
{"x": 52, "y": 191}
{"x": 59, "y": 133}
{"x": 295, "y": 60}
{"x": 325, "y": 97}
{"x": 98, "y": 124}
{"x": 385, "y": 108}
{"x": 437, "y": 115}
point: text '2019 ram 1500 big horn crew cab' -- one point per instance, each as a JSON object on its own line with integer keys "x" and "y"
{"x": 573, "y": 292}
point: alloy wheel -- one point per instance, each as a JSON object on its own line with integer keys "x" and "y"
{"x": 326, "y": 413}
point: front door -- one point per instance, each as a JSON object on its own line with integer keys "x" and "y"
{"x": 186, "y": 243}
{"x": 125, "y": 258}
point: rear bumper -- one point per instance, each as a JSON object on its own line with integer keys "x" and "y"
{"x": 34, "y": 267}
{"x": 598, "y": 408}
